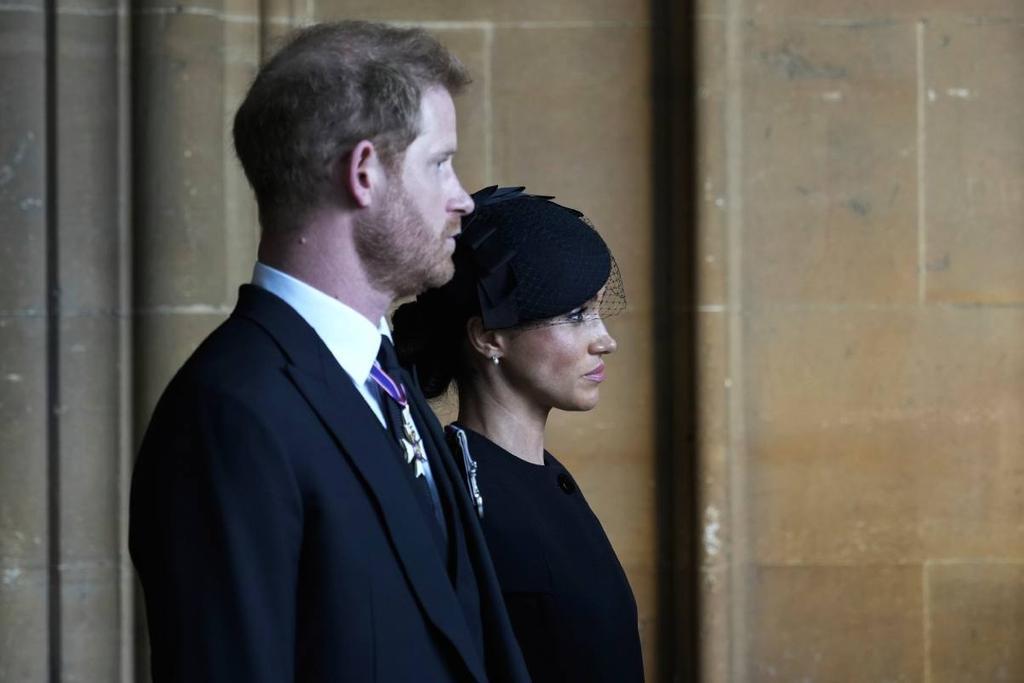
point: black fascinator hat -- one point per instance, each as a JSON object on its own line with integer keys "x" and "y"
{"x": 521, "y": 261}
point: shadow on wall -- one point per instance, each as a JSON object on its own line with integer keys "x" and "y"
{"x": 674, "y": 202}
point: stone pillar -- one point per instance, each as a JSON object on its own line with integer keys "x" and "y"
{"x": 93, "y": 404}
{"x": 24, "y": 365}
{"x": 64, "y": 322}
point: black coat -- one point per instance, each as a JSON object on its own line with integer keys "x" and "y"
{"x": 277, "y": 534}
{"x": 569, "y": 599}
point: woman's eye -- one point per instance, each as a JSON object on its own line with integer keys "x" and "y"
{"x": 576, "y": 316}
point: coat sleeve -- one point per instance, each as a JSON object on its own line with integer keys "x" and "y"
{"x": 216, "y": 534}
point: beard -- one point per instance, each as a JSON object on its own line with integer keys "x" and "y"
{"x": 402, "y": 254}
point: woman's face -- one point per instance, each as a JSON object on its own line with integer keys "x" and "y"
{"x": 559, "y": 364}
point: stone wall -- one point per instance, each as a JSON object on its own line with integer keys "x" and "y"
{"x": 808, "y": 452}
{"x": 862, "y": 174}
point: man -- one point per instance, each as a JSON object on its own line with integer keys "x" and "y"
{"x": 294, "y": 515}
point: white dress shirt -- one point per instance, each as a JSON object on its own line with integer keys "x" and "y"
{"x": 348, "y": 335}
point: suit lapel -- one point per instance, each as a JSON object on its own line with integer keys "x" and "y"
{"x": 330, "y": 393}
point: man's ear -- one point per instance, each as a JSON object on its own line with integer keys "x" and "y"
{"x": 488, "y": 343}
{"x": 361, "y": 172}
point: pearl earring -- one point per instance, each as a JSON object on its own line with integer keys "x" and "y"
{"x": 495, "y": 360}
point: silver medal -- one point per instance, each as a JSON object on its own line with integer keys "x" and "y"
{"x": 414, "y": 451}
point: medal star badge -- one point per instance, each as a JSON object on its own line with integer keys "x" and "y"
{"x": 415, "y": 453}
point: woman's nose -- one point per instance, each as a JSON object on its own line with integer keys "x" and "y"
{"x": 604, "y": 344}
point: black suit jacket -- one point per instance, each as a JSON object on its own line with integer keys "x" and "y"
{"x": 277, "y": 534}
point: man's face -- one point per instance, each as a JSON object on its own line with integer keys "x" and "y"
{"x": 407, "y": 243}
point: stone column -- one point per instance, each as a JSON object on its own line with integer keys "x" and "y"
{"x": 64, "y": 389}
{"x": 23, "y": 337}
{"x": 90, "y": 341}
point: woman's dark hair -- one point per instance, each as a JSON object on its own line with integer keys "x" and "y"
{"x": 521, "y": 260}
{"x": 430, "y": 339}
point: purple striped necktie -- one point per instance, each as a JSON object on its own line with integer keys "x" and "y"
{"x": 401, "y": 424}
{"x": 388, "y": 385}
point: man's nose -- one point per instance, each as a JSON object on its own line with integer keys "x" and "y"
{"x": 462, "y": 203}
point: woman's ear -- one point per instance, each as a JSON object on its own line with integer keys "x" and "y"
{"x": 360, "y": 172}
{"x": 488, "y": 343}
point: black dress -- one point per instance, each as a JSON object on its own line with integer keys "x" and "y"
{"x": 569, "y": 600}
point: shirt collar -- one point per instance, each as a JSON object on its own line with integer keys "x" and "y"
{"x": 351, "y": 337}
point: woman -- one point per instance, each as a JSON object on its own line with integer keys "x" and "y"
{"x": 519, "y": 330}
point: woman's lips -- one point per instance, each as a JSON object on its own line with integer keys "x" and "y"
{"x": 597, "y": 374}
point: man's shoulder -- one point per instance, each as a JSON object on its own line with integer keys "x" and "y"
{"x": 237, "y": 359}
{"x": 236, "y": 351}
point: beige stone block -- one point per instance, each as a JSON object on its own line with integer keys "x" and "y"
{"x": 975, "y": 162}
{"x": 23, "y": 443}
{"x": 623, "y": 497}
{"x": 849, "y": 496}
{"x": 980, "y": 11}
{"x": 23, "y": 496}
{"x": 248, "y": 11}
{"x": 711, "y": 330}
{"x": 880, "y": 436}
{"x": 976, "y": 613}
{"x": 579, "y": 128}
{"x": 703, "y": 487}
{"x": 850, "y": 624}
{"x": 970, "y": 491}
{"x": 183, "y": 146}
{"x": 281, "y": 15}
{"x": 405, "y": 10}
{"x": 829, "y": 164}
{"x": 69, "y": 8}
{"x": 577, "y": 11}
{"x": 11, "y": 7}
{"x": 473, "y": 161}
{"x": 584, "y": 12}
{"x": 868, "y": 13}
{"x": 713, "y": 625}
{"x": 711, "y": 172}
{"x": 23, "y": 637}
{"x": 88, "y": 156}
{"x": 22, "y": 161}
{"x": 91, "y": 412}
{"x": 90, "y": 621}
{"x": 163, "y": 342}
